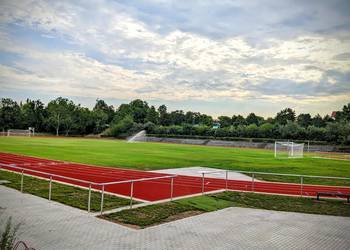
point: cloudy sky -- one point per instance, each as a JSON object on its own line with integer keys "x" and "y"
{"x": 217, "y": 57}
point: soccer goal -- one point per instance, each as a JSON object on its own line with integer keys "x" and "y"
{"x": 289, "y": 150}
{"x": 20, "y": 132}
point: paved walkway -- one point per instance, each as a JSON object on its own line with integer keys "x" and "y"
{"x": 209, "y": 172}
{"x": 49, "y": 225}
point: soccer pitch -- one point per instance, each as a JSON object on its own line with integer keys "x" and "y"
{"x": 152, "y": 156}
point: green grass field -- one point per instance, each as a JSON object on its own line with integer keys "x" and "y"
{"x": 151, "y": 156}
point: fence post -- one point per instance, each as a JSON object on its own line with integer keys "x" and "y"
{"x": 301, "y": 185}
{"x": 226, "y": 177}
{"x": 171, "y": 188}
{"x": 102, "y": 194}
{"x": 22, "y": 181}
{"x": 131, "y": 193}
{"x": 89, "y": 199}
{"x": 202, "y": 183}
{"x": 253, "y": 178}
{"x": 50, "y": 187}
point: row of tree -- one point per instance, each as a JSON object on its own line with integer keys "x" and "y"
{"x": 63, "y": 116}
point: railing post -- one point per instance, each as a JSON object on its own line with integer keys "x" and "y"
{"x": 22, "y": 181}
{"x": 226, "y": 180}
{"x": 131, "y": 193}
{"x": 301, "y": 185}
{"x": 89, "y": 198}
{"x": 102, "y": 194}
{"x": 202, "y": 183}
{"x": 253, "y": 178}
{"x": 50, "y": 187}
{"x": 171, "y": 188}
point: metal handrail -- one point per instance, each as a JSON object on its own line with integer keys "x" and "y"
{"x": 212, "y": 171}
{"x": 171, "y": 177}
{"x": 22, "y": 169}
{"x": 137, "y": 180}
{"x": 46, "y": 173}
{"x": 87, "y": 182}
{"x": 268, "y": 173}
{"x": 292, "y": 175}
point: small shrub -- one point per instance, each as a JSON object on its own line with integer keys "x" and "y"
{"x": 8, "y": 237}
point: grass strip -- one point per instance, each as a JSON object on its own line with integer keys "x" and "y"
{"x": 65, "y": 194}
{"x": 152, "y": 214}
{"x": 159, "y": 213}
{"x": 286, "y": 203}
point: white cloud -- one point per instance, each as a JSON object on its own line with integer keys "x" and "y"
{"x": 174, "y": 65}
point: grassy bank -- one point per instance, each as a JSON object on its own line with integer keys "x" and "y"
{"x": 165, "y": 212}
{"x": 68, "y": 195}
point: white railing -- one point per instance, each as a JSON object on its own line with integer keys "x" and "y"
{"x": 50, "y": 176}
{"x": 26, "y": 171}
{"x": 253, "y": 174}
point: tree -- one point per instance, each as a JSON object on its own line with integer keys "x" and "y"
{"x": 251, "y": 130}
{"x": 123, "y": 111}
{"x": 205, "y": 119}
{"x": 163, "y": 115}
{"x": 285, "y": 115}
{"x": 100, "y": 120}
{"x": 84, "y": 120}
{"x": 152, "y": 115}
{"x": 101, "y": 106}
{"x": 337, "y": 131}
{"x": 225, "y": 121}
{"x": 238, "y": 120}
{"x": 60, "y": 114}
{"x": 33, "y": 114}
{"x": 317, "y": 121}
{"x": 139, "y": 110}
{"x": 291, "y": 130}
{"x": 177, "y": 117}
{"x": 328, "y": 118}
{"x": 10, "y": 114}
{"x": 254, "y": 119}
{"x": 266, "y": 130}
{"x": 304, "y": 120}
{"x": 346, "y": 112}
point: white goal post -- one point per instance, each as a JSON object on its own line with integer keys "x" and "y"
{"x": 289, "y": 149}
{"x": 21, "y": 132}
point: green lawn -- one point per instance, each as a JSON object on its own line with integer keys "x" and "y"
{"x": 147, "y": 156}
{"x": 169, "y": 211}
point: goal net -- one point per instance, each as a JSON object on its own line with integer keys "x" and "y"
{"x": 20, "y": 132}
{"x": 289, "y": 150}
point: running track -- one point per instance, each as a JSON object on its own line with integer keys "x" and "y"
{"x": 150, "y": 190}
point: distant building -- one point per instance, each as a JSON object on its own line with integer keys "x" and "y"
{"x": 216, "y": 125}
{"x": 334, "y": 114}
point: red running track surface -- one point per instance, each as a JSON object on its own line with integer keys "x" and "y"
{"x": 155, "y": 189}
